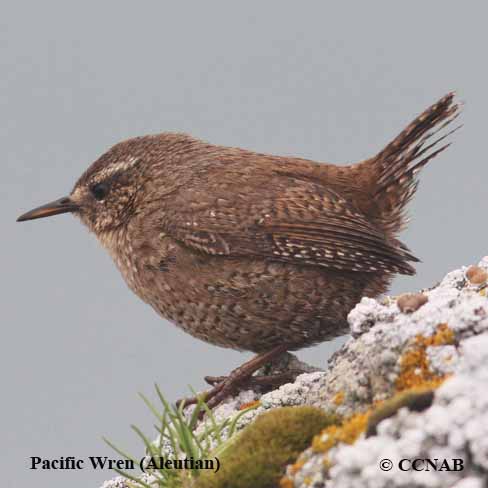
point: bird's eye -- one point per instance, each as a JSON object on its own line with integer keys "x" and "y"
{"x": 99, "y": 191}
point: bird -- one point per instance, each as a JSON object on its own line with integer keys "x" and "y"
{"x": 252, "y": 251}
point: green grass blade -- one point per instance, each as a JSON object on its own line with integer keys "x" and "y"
{"x": 147, "y": 442}
{"x": 119, "y": 451}
{"x": 150, "y": 406}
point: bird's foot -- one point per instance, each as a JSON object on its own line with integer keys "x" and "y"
{"x": 223, "y": 386}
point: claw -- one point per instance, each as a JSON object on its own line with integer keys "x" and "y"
{"x": 223, "y": 386}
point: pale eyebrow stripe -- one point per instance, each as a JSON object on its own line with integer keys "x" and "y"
{"x": 112, "y": 169}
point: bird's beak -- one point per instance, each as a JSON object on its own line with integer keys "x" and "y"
{"x": 62, "y": 205}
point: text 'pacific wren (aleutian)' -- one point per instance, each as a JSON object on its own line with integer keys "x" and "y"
{"x": 252, "y": 251}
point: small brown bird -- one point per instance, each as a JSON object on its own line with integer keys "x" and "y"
{"x": 252, "y": 251}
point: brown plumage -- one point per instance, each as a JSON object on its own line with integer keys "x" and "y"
{"x": 253, "y": 251}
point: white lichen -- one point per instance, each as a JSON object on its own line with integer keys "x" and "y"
{"x": 367, "y": 368}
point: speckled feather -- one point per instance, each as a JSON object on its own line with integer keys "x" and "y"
{"x": 248, "y": 250}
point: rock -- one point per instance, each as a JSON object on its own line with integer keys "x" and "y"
{"x": 411, "y": 302}
{"x": 446, "y": 341}
{"x": 476, "y": 275}
{"x": 120, "y": 482}
{"x": 402, "y": 353}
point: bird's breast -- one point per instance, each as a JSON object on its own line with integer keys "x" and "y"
{"x": 120, "y": 247}
{"x": 143, "y": 259}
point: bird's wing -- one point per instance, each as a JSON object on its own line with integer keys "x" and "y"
{"x": 283, "y": 219}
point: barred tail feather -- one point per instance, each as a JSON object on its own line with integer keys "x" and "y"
{"x": 396, "y": 166}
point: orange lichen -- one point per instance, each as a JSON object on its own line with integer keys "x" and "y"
{"x": 347, "y": 432}
{"x": 254, "y": 403}
{"x": 415, "y": 369}
{"x": 338, "y": 398}
{"x": 443, "y": 335}
{"x": 294, "y": 468}
{"x": 286, "y": 482}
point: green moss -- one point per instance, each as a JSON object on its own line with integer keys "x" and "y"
{"x": 415, "y": 399}
{"x": 260, "y": 453}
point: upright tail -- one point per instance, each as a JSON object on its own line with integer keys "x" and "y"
{"x": 396, "y": 166}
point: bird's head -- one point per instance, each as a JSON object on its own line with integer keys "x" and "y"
{"x": 121, "y": 183}
{"x": 107, "y": 193}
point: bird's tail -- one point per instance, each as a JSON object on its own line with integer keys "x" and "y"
{"x": 394, "y": 169}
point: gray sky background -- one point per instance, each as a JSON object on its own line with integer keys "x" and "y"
{"x": 331, "y": 81}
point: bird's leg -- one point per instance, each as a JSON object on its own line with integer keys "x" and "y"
{"x": 237, "y": 377}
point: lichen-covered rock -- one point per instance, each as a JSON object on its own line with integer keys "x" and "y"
{"x": 443, "y": 345}
{"x": 399, "y": 354}
{"x": 454, "y": 427}
{"x": 120, "y": 482}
